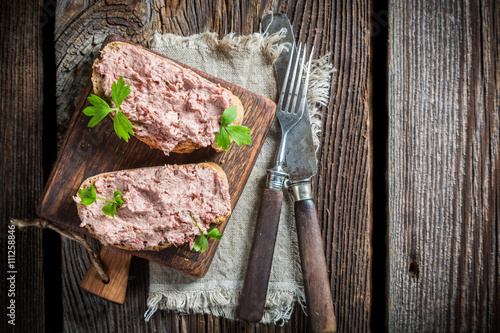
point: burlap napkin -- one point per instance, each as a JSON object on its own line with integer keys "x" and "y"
{"x": 247, "y": 62}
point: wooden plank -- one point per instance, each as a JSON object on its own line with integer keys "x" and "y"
{"x": 444, "y": 166}
{"x": 21, "y": 88}
{"x": 84, "y": 312}
{"x": 343, "y": 183}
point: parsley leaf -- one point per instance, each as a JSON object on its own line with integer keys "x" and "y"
{"x": 109, "y": 210}
{"x": 122, "y": 126}
{"x": 229, "y": 115}
{"x": 118, "y": 198}
{"x": 222, "y": 139}
{"x": 240, "y": 134}
{"x": 100, "y": 109}
{"x": 89, "y": 196}
{"x": 119, "y": 91}
{"x": 201, "y": 242}
{"x": 214, "y": 233}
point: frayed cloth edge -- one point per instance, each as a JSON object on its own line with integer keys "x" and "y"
{"x": 263, "y": 43}
{"x": 224, "y": 302}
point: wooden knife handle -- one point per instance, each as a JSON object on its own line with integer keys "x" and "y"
{"x": 253, "y": 294}
{"x": 312, "y": 256}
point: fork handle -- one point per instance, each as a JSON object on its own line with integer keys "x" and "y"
{"x": 253, "y": 294}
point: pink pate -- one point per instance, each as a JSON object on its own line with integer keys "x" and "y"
{"x": 168, "y": 104}
{"x": 158, "y": 205}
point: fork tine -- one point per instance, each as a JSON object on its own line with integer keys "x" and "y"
{"x": 292, "y": 82}
{"x": 306, "y": 81}
{"x": 294, "y": 91}
{"x": 285, "y": 83}
{"x": 298, "y": 85}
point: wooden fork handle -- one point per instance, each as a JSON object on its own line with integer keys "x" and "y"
{"x": 253, "y": 295}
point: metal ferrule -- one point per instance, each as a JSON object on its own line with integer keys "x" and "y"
{"x": 276, "y": 178}
{"x": 301, "y": 190}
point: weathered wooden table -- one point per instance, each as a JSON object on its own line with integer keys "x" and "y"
{"x": 408, "y": 189}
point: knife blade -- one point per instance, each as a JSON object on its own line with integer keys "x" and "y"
{"x": 301, "y": 166}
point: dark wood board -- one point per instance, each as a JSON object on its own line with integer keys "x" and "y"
{"x": 444, "y": 166}
{"x": 90, "y": 151}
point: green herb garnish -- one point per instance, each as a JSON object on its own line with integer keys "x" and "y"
{"x": 240, "y": 134}
{"x": 100, "y": 109}
{"x": 201, "y": 242}
{"x": 89, "y": 196}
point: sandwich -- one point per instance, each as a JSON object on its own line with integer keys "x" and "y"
{"x": 170, "y": 107}
{"x": 154, "y": 208}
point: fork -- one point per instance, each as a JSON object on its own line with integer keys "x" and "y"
{"x": 290, "y": 115}
{"x": 289, "y": 111}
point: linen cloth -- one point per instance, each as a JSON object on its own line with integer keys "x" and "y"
{"x": 247, "y": 62}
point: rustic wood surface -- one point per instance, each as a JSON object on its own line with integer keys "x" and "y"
{"x": 444, "y": 166}
{"x": 342, "y": 187}
{"x": 21, "y": 88}
{"x": 343, "y": 180}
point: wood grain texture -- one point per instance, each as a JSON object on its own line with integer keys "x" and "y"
{"x": 21, "y": 105}
{"x": 343, "y": 182}
{"x": 116, "y": 265}
{"x": 313, "y": 263}
{"x": 444, "y": 171}
{"x": 90, "y": 313}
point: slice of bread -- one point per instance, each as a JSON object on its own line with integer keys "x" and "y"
{"x": 151, "y": 222}
{"x": 182, "y": 146}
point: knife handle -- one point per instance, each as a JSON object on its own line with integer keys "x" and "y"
{"x": 312, "y": 257}
{"x": 253, "y": 294}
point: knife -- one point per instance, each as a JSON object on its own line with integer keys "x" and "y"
{"x": 301, "y": 166}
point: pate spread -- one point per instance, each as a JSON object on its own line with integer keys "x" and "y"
{"x": 168, "y": 104}
{"x": 158, "y": 205}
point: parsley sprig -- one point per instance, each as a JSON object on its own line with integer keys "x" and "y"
{"x": 201, "y": 242}
{"x": 100, "y": 109}
{"x": 240, "y": 134}
{"x": 89, "y": 196}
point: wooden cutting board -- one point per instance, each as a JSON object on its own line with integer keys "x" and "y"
{"x": 86, "y": 152}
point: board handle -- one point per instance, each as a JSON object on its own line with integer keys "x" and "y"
{"x": 253, "y": 294}
{"x": 116, "y": 264}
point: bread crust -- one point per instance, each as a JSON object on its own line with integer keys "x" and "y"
{"x": 181, "y": 147}
{"x": 89, "y": 181}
